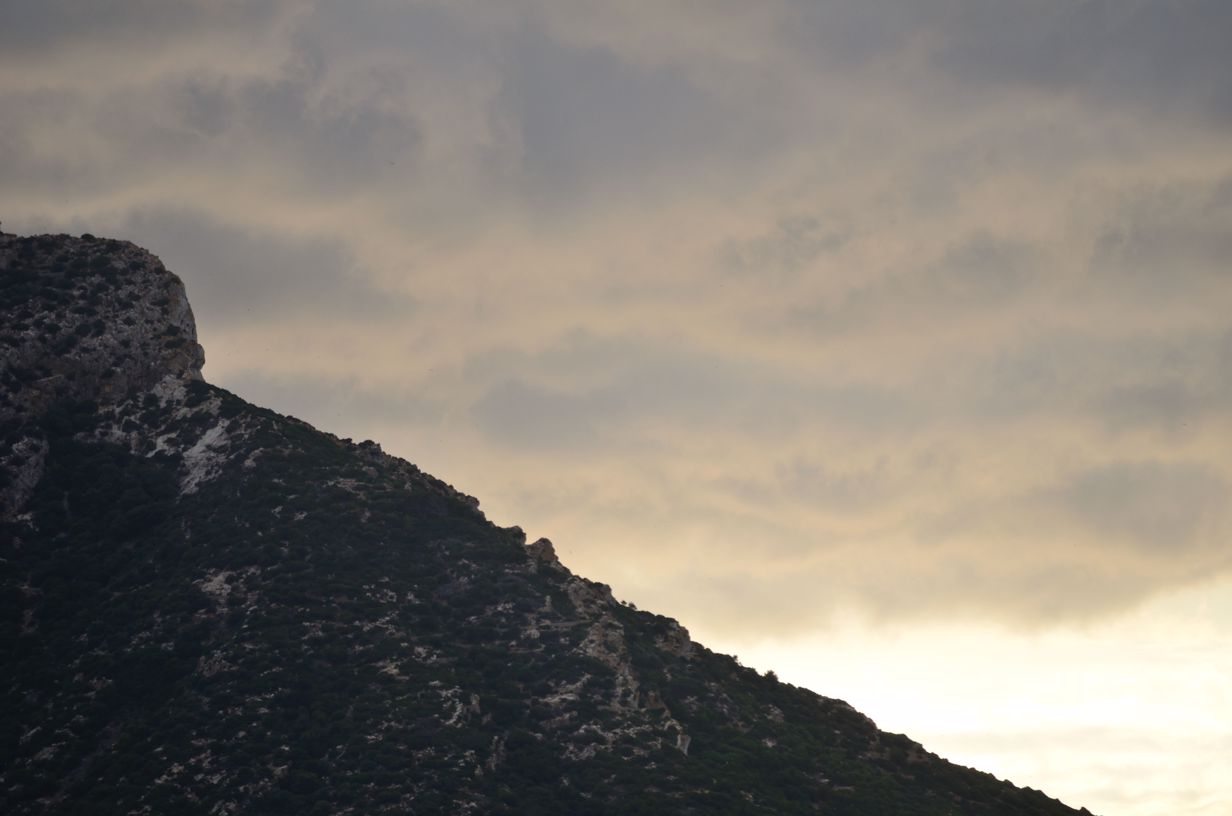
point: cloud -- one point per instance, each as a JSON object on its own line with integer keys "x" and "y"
{"x": 1166, "y": 405}
{"x": 789, "y": 247}
{"x": 239, "y": 275}
{"x": 1167, "y": 241}
{"x": 55, "y": 26}
{"x": 1151, "y": 55}
{"x": 589, "y": 393}
{"x": 585, "y": 118}
{"x": 979, "y": 273}
{"x": 334, "y": 405}
{"x": 1166, "y": 508}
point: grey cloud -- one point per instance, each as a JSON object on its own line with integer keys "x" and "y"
{"x": 49, "y": 24}
{"x": 587, "y": 120}
{"x": 978, "y": 273}
{"x": 636, "y": 386}
{"x": 439, "y": 36}
{"x": 1039, "y": 593}
{"x": 1165, "y": 241}
{"x": 205, "y": 107}
{"x": 1166, "y": 405}
{"x": 854, "y": 34}
{"x": 1107, "y": 519}
{"x": 340, "y": 406}
{"x": 610, "y": 413}
{"x": 1155, "y": 55}
{"x": 563, "y": 122}
{"x": 237, "y": 275}
{"x": 572, "y": 356}
{"x": 340, "y": 144}
{"x": 848, "y": 489}
{"x": 886, "y": 591}
{"x": 547, "y": 419}
{"x": 1164, "y": 509}
{"x": 740, "y": 607}
{"x": 315, "y": 137}
{"x": 22, "y": 165}
{"x": 1117, "y": 379}
{"x": 1096, "y": 541}
{"x": 1014, "y": 584}
{"x": 291, "y": 123}
{"x": 889, "y": 585}
{"x": 785, "y": 250}
{"x": 1039, "y": 377}
{"x": 867, "y": 487}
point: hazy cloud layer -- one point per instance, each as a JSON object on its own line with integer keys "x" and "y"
{"x": 762, "y": 312}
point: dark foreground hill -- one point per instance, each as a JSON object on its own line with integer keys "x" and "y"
{"x": 206, "y": 607}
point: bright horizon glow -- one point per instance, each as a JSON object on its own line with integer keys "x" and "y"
{"x": 1145, "y": 699}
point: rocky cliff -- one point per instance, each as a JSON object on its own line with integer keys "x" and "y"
{"x": 85, "y": 320}
{"x": 206, "y": 607}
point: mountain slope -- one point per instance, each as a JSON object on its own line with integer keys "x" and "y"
{"x": 206, "y": 607}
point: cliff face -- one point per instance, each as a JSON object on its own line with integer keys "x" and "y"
{"x": 84, "y": 320}
{"x": 206, "y": 607}
{"x": 89, "y": 319}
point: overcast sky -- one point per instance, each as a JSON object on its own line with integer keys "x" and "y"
{"x": 860, "y": 330}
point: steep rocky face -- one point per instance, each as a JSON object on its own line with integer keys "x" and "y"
{"x": 206, "y": 607}
{"x": 82, "y": 320}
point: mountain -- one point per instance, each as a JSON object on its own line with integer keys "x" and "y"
{"x": 210, "y": 608}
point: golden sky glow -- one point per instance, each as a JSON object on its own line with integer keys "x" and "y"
{"x": 884, "y": 344}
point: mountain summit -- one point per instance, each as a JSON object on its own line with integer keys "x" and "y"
{"x": 210, "y": 608}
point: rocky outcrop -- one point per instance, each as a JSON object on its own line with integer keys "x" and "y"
{"x": 81, "y": 320}
{"x": 542, "y": 551}
{"x": 89, "y": 319}
{"x": 676, "y": 641}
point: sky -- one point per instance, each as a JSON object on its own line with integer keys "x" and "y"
{"x": 886, "y": 345}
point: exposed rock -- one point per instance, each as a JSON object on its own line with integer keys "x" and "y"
{"x": 542, "y": 551}
{"x": 676, "y": 641}
{"x": 89, "y": 319}
{"x": 85, "y": 320}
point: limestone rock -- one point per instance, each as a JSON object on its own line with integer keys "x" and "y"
{"x": 88, "y": 319}
{"x": 82, "y": 320}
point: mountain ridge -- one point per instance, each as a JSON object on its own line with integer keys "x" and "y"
{"x": 209, "y": 607}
